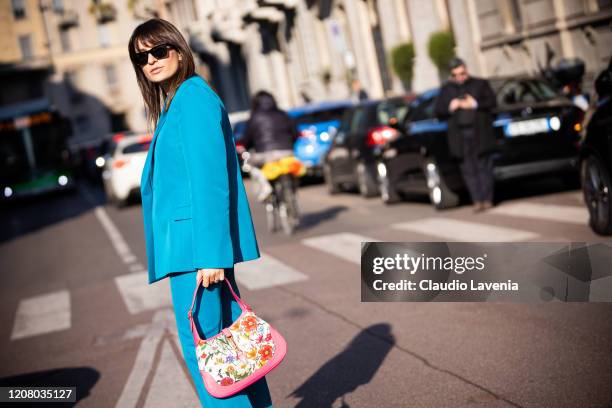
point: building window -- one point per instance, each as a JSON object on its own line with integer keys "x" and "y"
{"x": 25, "y": 44}
{"x": 104, "y": 35}
{"x": 65, "y": 40}
{"x": 111, "y": 77}
{"x": 19, "y": 10}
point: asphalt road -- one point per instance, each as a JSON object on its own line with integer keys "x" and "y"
{"x": 75, "y": 309}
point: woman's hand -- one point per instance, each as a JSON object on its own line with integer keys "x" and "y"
{"x": 210, "y": 276}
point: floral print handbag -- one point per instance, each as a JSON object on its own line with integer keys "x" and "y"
{"x": 240, "y": 354}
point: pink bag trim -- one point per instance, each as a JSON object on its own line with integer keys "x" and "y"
{"x": 222, "y": 391}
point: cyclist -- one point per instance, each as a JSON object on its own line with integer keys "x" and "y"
{"x": 271, "y": 133}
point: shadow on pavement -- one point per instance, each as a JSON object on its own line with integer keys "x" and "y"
{"x": 352, "y": 367}
{"x": 35, "y": 213}
{"x": 309, "y": 220}
{"x": 523, "y": 188}
{"x": 83, "y": 378}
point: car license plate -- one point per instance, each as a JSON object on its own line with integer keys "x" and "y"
{"x": 526, "y": 127}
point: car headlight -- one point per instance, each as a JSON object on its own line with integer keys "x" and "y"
{"x": 554, "y": 123}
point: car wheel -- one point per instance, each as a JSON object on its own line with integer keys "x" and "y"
{"x": 117, "y": 201}
{"x": 332, "y": 187}
{"x": 597, "y": 187}
{"x": 388, "y": 193}
{"x": 366, "y": 182}
{"x": 109, "y": 192}
{"x": 440, "y": 194}
{"x": 120, "y": 203}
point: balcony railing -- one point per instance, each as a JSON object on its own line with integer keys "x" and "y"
{"x": 103, "y": 12}
{"x": 68, "y": 18}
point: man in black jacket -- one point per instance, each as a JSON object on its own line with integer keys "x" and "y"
{"x": 272, "y": 133}
{"x": 466, "y": 103}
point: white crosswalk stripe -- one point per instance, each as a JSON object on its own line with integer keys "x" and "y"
{"x": 458, "y": 230}
{"x": 344, "y": 245}
{"x": 139, "y": 296}
{"x": 547, "y": 212}
{"x": 266, "y": 272}
{"x": 42, "y": 314}
{"x": 600, "y": 289}
{"x": 52, "y": 311}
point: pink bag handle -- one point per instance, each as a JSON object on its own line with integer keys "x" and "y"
{"x": 242, "y": 304}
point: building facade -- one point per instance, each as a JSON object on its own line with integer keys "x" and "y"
{"x": 75, "y": 52}
{"x": 510, "y": 37}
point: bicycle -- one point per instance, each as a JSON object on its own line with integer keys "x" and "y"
{"x": 281, "y": 205}
{"x": 282, "y": 211}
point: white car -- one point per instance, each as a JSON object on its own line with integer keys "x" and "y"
{"x": 123, "y": 168}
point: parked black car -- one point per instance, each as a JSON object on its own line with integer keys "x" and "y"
{"x": 351, "y": 160}
{"x": 596, "y": 158}
{"x": 537, "y": 132}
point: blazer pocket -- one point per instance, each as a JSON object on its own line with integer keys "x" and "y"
{"x": 181, "y": 213}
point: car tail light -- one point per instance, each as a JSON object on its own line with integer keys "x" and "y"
{"x": 117, "y": 137}
{"x": 306, "y": 134}
{"x": 145, "y": 138}
{"x": 380, "y": 135}
{"x": 120, "y": 163}
{"x": 240, "y": 147}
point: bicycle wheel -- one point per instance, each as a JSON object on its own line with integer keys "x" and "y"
{"x": 287, "y": 206}
{"x": 272, "y": 213}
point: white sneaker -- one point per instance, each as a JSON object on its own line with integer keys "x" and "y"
{"x": 265, "y": 192}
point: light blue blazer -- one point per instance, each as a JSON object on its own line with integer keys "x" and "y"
{"x": 194, "y": 205}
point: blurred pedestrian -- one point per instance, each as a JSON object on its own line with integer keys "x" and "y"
{"x": 193, "y": 197}
{"x": 358, "y": 94}
{"x": 271, "y": 133}
{"x": 466, "y": 102}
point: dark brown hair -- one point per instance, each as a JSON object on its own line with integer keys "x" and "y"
{"x": 154, "y": 32}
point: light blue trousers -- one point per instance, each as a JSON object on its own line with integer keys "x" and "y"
{"x": 215, "y": 309}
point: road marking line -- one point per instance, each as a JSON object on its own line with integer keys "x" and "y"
{"x": 345, "y": 245}
{"x": 42, "y": 314}
{"x": 139, "y": 296}
{"x": 143, "y": 363}
{"x": 548, "y": 212}
{"x": 169, "y": 387}
{"x": 457, "y": 230}
{"x": 137, "y": 267}
{"x": 266, "y": 272}
{"x": 121, "y": 247}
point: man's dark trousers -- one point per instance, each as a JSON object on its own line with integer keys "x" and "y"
{"x": 477, "y": 170}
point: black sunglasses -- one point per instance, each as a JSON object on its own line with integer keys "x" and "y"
{"x": 159, "y": 52}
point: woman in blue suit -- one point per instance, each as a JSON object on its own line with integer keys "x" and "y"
{"x": 197, "y": 219}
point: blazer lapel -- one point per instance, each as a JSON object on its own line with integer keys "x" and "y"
{"x": 148, "y": 166}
